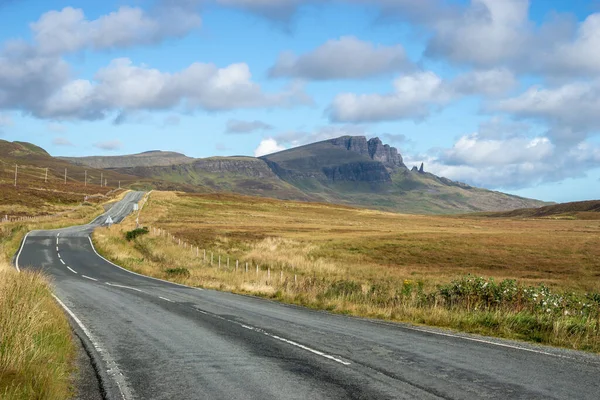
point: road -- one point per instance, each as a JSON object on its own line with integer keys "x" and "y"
{"x": 157, "y": 340}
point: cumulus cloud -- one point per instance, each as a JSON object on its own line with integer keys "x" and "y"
{"x": 61, "y": 141}
{"x": 570, "y": 110}
{"x": 416, "y": 94}
{"x": 109, "y": 145}
{"x": 512, "y": 162}
{"x": 235, "y": 126}
{"x": 268, "y": 146}
{"x": 344, "y": 58}
{"x": 124, "y": 86}
{"x": 68, "y": 30}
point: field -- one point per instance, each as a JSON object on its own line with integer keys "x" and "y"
{"x": 370, "y": 263}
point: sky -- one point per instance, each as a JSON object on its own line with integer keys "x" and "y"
{"x": 501, "y": 94}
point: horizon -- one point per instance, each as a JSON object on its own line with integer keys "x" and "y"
{"x": 499, "y": 95}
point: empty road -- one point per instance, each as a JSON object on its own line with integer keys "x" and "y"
{"x": 158, "y": 340}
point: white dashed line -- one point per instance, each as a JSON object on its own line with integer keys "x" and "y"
{"x": 91, "y": 279}
{"x": 72, "y": 270}
{"x": 62, "y": 261}
{"x": 58, "y": 254}
{"x": 165, "y": 299}
{"x": 124, "y": 287}
{"x": 56, "y": 248}
{"x": 291, "y": 342}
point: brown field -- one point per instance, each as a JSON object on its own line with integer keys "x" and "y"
{"x": 400, "y": 267}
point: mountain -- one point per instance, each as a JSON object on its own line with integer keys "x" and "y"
{"x": 347, "y": 170}
{"x": 146, "y": 159}
{"x": 574, "y": 210}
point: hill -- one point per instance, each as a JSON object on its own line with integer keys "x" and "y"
{"x": 145, "y": 159}
{"x": 347, "y": 170}
{"x": 47, "y": 185}
{"x": 574, "y": 210}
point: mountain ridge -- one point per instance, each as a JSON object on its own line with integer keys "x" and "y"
{"x": 349, "y": 170}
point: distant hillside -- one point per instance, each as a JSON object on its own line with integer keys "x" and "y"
{"x": 347, "y": 170}
{"x": 42, "y": 187}
{"x": 574, "y": 210}
{"x": 146, "y": 159}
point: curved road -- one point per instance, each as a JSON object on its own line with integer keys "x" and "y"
{"x": 157, "y": 340}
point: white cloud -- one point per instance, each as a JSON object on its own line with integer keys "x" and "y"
{"x": 235, "y": 126}
{"x": 61, "y": 141}
{"x": 109, "y": 145}
{"x": 267, "y": 146}
{"x": 569, "y": 110}
{"x": 344, "y": 58}
{"x": 491, "y": 82}
{"x": 124, "y": 86}
{"x": 65, "y": 31}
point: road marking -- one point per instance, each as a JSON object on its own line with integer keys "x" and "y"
{"x": 164, "y": 298}
{"x": 61, "y": 260}
{"x": 58, "y": 234}
{"x": 135, "y": 273}
{"x": 291, "y": 342}
{"x": 57, "y": 247}
{"x": 72, "y": 270}
{"x": 57, "y": 240}
{"x": 19, "y": 253}
{"x": 58, "y": 254}
{"x": 91, "y": 279}
{"x": 124, "y": 287}
{"x": 112, "y": 369}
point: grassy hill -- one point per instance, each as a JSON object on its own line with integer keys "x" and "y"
{"x": 348, "y": 170}
{"x": 574, "y": 210}
{"x": 41, "y": 187}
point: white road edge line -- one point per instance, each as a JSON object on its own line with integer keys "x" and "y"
{"x": 124, "y": 287}
{"x": 20, "y": 250}
{"x": 61, "y": 260}
{"x": 91, "y": 279}
{"x": 135, "y": 273}
{"x": 165, "y": 299}
{"x": 71, "y": 269}
{"x": 112, "y": 367}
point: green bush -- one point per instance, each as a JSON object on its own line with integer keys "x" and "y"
{"x": 131, "y": 235}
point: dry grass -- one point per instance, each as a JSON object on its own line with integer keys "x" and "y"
{"x": 36, "y": 348}
{"x": 35, "y": 339}
{"x": 369, "y": 263}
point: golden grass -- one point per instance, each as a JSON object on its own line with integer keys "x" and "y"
{"x": 36, "y": 351}
{"x": 36, "y": 348}
{"x": 366, "y": 262}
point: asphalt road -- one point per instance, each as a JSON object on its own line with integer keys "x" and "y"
{"x": 156, "y": 340}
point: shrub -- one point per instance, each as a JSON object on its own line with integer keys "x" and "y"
{"x": 131, "y": 235}
{"x": 181, "y": 272}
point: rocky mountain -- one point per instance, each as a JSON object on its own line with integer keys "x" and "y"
{"x": 346, "y": 170}
{"x": 146, "y": 159}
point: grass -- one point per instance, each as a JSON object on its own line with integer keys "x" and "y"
{"x": 36, "y": 347}
{"x": 370, "y": 263}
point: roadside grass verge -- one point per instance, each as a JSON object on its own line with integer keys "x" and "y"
{"x": 36, "y": 349}
{"x": 381, "y": 265}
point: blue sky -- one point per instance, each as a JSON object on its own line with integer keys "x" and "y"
{"x": 499, "y": 94}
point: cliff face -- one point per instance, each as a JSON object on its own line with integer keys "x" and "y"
{"x": 372, "y": 148}
{"x": 372, "y": 172}
{"x": 246, "y": 166}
